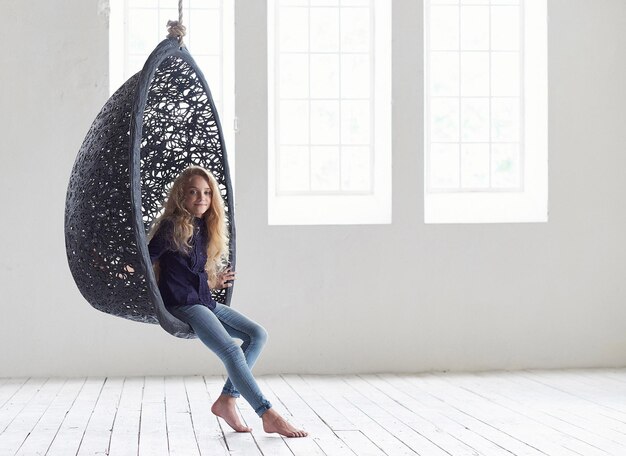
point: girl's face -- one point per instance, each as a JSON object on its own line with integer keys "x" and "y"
{"x": 197, "y": 196}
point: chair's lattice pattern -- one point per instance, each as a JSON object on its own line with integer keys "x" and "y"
{"x": 180, "y": 128}
{"x": 99, "y": 234}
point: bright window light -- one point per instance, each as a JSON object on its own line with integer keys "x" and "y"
{"x": 486, "y": 150}
{"x": 329, "y": 104}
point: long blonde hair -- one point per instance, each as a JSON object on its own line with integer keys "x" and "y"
{"x": 182, "y": 221}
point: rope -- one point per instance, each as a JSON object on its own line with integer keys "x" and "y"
{"x": 176, "y": 29}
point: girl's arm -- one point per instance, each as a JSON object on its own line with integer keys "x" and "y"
{"x": 157, "y": 246}
{"x": 225, "y": 278}
{"x": 160, "y": 242}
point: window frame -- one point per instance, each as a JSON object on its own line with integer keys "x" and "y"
{"x": 529, "y": 201}
{"x": 322, "y": 208}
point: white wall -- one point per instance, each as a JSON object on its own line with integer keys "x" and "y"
{"x": 404, "y": 297}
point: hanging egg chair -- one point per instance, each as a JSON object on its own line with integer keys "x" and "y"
{"x": 158, "y": 123}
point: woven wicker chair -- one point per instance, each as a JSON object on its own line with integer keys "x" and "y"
{"x": 161, "y": 121}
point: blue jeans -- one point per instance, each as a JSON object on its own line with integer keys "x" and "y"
{"x": 216, "y": 329}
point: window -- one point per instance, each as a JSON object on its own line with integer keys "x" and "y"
{"x": 137, "y": 26}
{"x": 485, "y": 111}
{"x": 329, "y": 111}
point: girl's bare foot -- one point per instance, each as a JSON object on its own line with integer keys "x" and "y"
{"x": 224, "y": 407}
{"x": 273, "y": 422}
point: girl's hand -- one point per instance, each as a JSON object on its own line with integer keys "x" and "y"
{"x": 225, "y": 278}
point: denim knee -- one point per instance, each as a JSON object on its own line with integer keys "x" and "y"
{"x": 259, "y": 335}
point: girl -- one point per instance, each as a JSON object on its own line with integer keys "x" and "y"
{"x": 189, "y": 242}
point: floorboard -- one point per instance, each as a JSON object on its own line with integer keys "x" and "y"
{"x": 500, "y": 413}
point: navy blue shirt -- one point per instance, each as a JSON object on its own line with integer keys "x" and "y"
{"x": 182, "y": 278}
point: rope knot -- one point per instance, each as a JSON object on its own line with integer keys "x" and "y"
{"x": 177, "y": 30}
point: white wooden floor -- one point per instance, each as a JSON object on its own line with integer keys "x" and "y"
{"x": 531, "y": 413}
